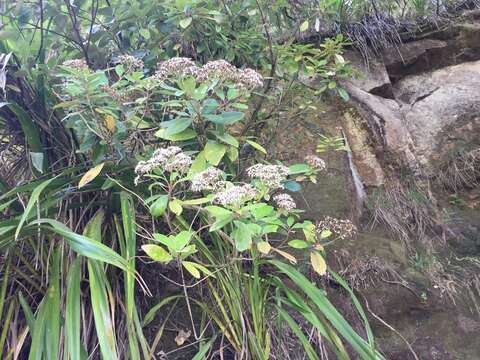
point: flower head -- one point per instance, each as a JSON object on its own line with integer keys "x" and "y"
{"x": 315, "y": 162}
{"x": 210, "y": 179}
{"x": 271, "y": 175}
{"x": 285, "y": 201}
{"x": 130, "y": 62}
{"x": 169, "y": 159}
{"x": 175, "y": 66}
{"x": 78, "y": 64}
{"x": 235, "y": 195}
{"x": 341, "y": 228}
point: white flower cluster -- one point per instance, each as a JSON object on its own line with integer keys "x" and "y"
{"x": 342, "y": 229}
{"x": 130, "y": 62}
{"x": 210, "y": 179}
{"x": 175, "y": 66}
{"x": 316, "y": 162}
{"x": 169, "y": 159}
{"x": 212, "y": 70}
{"x": 78, "y": 64}
{"x": 271, "y": 175}
{"x": 235, "y": 195}
{"x": 285, "y": 201}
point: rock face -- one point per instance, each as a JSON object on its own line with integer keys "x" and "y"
{"x": 441, "y": 110}
{"x": 420, "y": 101}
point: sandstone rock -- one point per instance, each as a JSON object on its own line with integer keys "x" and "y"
{"x": 440, "y": 110}
{"x": 370, "y": 76}
{"x": 366, "y": 162}
{"x": 413, "y": 57}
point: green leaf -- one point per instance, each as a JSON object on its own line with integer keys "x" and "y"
{"x": 31, "y": 203}
{"x": 150, "y": 315}
{"x": 37, "y": 160}
{"x": 176, "y": 206}
{"x": 72, "y": 311}
{"x": 204, "y": 348}
{"x": 343, "y": 94}
{"x": 180, "y": 241}
{"x": 157, "y": 253}
{"x": 159, "y": 206}
{"x": 199, "y": 164}
{"x": 298, "y": 169}
{"x": 242, "y": 236}
{"x": 217, "y": 211}
{"x": 226, "y": 118}
{"x": 298, "y": 244}
{"x": 191, "y": 268}
{"x": 184, "y": 23}
{"x": 292, "y": 186}
{"x": 214, "y": 152}
{"x": 84, "y": 245}
{"x": 176, "y": 126}
{"x": 227, "y": 139}
{"x": 256, "y": 146}
{"x": 221, "y": 221}
{"x": 186, "y": 134}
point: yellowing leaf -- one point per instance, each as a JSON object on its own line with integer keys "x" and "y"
{"x": 304, "y": 26}
{"x": 157, "y": 253}
{"x": 264, "y": 247}
{"x": 191, "y": 268}
{"x": 286, "y": 255}
{"x": 318, "y": 263}
{"x": 256, "y": 146}
{"x": 110, "y": 123}
{"x": 90, "y": 175}
{"x": 176, "y": 207}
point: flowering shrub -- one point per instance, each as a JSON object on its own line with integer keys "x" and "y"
{"x": 210, "y": 216}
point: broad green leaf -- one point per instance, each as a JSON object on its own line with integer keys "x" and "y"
{"x": 242, "y": 236}
{"x": 176, "y": 206}
{"x": 221, "y": 221}
{"x": 217, "y": 211}
{"x": 298, "y": 169}
{"x": 214, "y": 152}
{"x": 199, "y": 164}
{"x": 157, "y": 253}
{"x": 37, "y": 160}
{"x": 186, "y": 134}
{"x": 180, "y": 241}
{"x": 228, "y": 139}
{"x": 176, "y": 126}
{"x": 343, "y": 94}
{"x": 90, "y": 175}
{"x": 159, "y": 206}
{"x": 292, "y": 186}
{"x": 226, "y": 118}
{"x": 256, "y": 146}
{"x": 192, "y": 269}
{"x": 298, "y": 244}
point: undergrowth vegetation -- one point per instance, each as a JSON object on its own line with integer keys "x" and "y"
{"x": 129, "y": 140}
